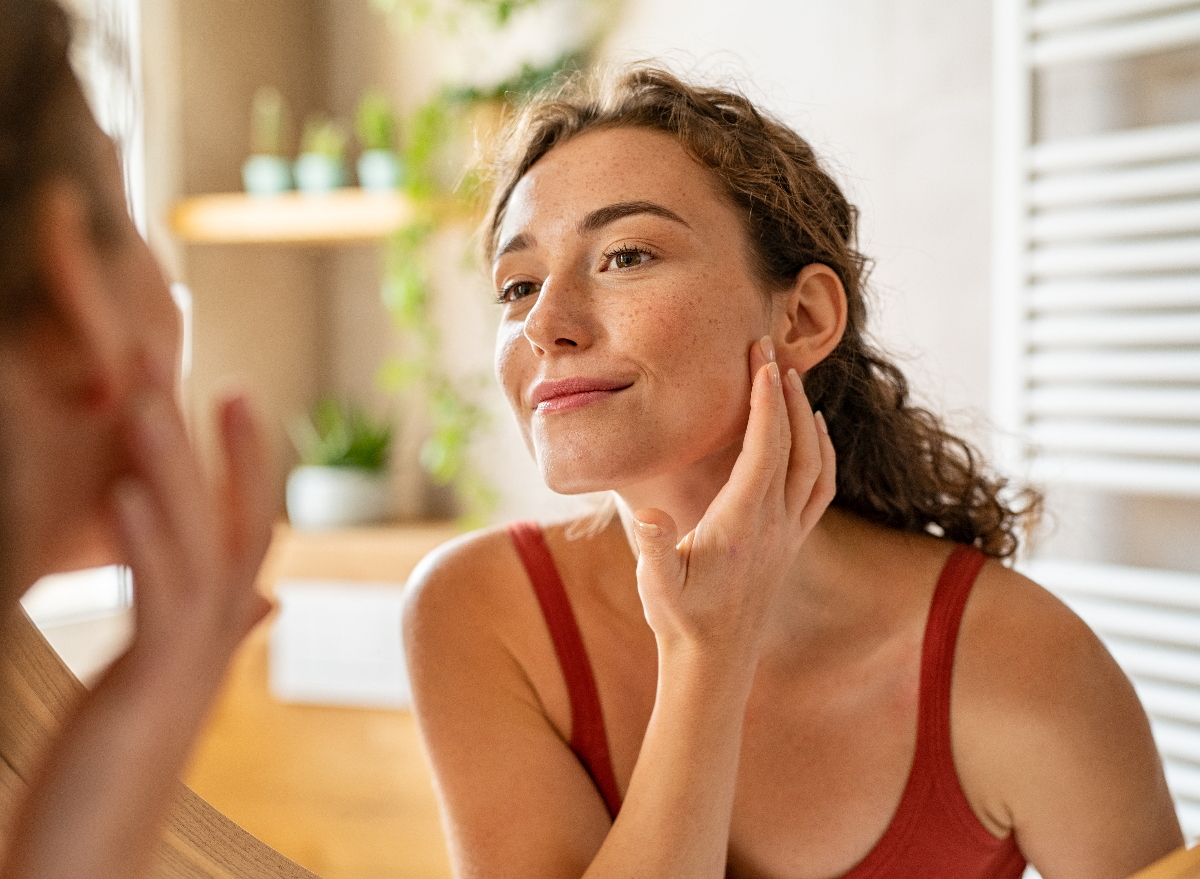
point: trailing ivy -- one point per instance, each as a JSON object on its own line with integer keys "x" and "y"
{"x": 442, "y": 194}
{"x": 453, "y": 415}
{"x": 416, "y": 11}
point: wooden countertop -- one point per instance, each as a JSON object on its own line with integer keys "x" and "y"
{"x": 343, "y": 791}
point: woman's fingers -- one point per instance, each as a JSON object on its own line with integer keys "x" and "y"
{"x": 195, "y": 547}
{"x": 657, "y": 537}
{"x": 824, "y": 489}
{"x": 765, "y": 448}
{"x": 806, "y": 460}
{"x": 247, "y": 495}
{"x": 662, "y": 566}
{"x": 141, "y": 533}
{"x": 163, "y": 458}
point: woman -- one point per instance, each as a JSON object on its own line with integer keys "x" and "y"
{"x": 96, "y": 470}
{"x": 757, "y": 681}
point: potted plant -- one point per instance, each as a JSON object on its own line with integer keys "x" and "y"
{"x": 266, "y": 171}
{"x": 375, "y": 124}
{"x": 342, "y": 477}
{"x": 321, "y": 166}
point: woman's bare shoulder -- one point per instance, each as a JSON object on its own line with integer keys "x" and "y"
{"x": 474, "y": 634}
{"x": 465, "y": 579}
{"x": 1050, "y": 740}
{"x": 1025, "y": 643}
{"x": 1027, "y": 667}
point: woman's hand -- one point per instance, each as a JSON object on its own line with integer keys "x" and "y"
{"x": 194, "y": 545}
{"x": 109, "y": 778}
{"x": 712, "y": 590}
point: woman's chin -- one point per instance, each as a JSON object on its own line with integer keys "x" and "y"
{"x": 580, "y": 476}
{"x": 574, "y": 483}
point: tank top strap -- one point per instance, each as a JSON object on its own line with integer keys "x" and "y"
{"x": 934, "y": 833}
{"x": 588, "y": 738}
{"x": 937, "y": 653}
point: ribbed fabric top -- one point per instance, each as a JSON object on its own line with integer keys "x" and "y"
{"x": 934, "y": 833}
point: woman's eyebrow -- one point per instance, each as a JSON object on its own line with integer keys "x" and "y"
{"x": 598, "y": 219}
{"x": 601, "y": 217}
{"x": 520, "y": 241}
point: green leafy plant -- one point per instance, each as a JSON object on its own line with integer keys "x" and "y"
{"x": 374, "y": 122}
{"x": 443, "y": 195}
{"x": 266, "y": 122}
{"x": 324, "y": 137}
{"x": 453, "y": 415}
{"x": 337, "y": 434}
{"x": 411, "y": 11}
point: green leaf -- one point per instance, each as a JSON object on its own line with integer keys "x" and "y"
{"x": 374, "y": 122}
{"x": 323, "y": 136}
{"x": 337, "y": 434}
{"x": 397, "y": 374}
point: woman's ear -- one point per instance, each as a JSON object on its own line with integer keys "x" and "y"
{"x": 810, "y": 318}
{"x": 80, "y": 337}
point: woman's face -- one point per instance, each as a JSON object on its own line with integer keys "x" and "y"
{"x": 131, "y": 274}
{"x": 143, "y": 331}
{"x": 630, "y": 307}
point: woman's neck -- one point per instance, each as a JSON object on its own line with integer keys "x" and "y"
{"x": 685, "y": 495}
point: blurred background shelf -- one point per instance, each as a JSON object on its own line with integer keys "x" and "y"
{"x": 340, "y": 217}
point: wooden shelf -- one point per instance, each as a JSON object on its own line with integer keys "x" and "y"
{"x": 343, "y": 216}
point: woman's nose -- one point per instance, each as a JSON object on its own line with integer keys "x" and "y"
{"x": 558, "y": 319}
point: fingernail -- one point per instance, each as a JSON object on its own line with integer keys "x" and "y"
{"x": 649, "y": 529}
{"x": 821, "y": 425}
{"x": 773, "y": 372}
{"x": 794, "y": 381}
{"x": 768, "y": 347}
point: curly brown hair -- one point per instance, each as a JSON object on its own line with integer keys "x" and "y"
{"x": 43, "y": 118}
{"x": 897, "y": 463}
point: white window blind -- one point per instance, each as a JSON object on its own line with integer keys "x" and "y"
{"x": 1097, "y": 314}
{"x": 1096, "y": 326}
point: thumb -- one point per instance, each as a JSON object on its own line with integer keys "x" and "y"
{"x": 660, "y": 563}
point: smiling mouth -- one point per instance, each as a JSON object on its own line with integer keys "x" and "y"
{"x": 559, "y": 396}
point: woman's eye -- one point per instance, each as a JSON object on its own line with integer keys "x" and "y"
{"x": 626, "y": 258}
{"x": 516, "y": 290}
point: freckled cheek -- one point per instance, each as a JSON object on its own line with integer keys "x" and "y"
{"x": 680, "y": 341}
{"x": 512, "y": 374}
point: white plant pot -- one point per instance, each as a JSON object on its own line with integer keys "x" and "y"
{"x": 317, "y": 173}
{"x": 378, "y": 170}
{"x": 333, "y": 497}
{"x": 267, "y": 175}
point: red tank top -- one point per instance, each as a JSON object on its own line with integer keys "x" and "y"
{"x": 934, "y": 833}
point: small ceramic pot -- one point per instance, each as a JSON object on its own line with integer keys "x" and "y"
{"x": 317, "y": 172}
{"x": 266, "y": 175}
{"x": 334, "y": 497}
{"x": 378, "y": 170}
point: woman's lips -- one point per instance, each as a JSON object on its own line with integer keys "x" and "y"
{"x": 572, "y": 393}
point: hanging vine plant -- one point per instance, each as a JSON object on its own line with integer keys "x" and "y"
{"x": 442, "y": 196}
{"x": 421, "y": 10}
